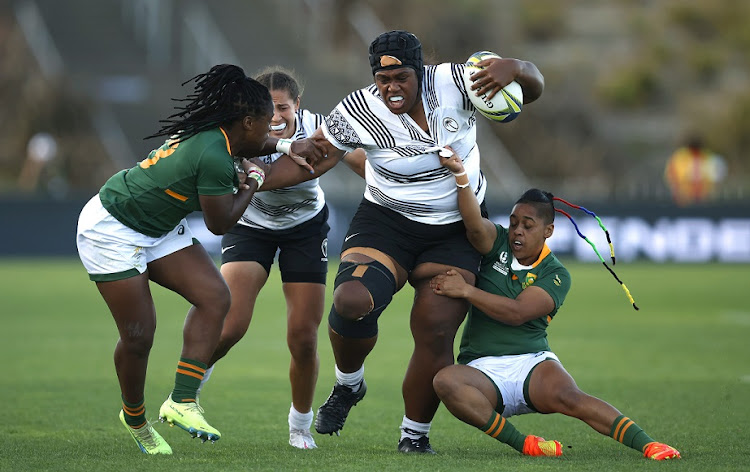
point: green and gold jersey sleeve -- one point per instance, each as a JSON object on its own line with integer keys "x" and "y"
{"x": 555, "y": 280}
{"x": 501, "y": 244}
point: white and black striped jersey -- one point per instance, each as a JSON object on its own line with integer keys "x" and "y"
{"x": 401, "y": 174}
{"x": 287, "y": 207}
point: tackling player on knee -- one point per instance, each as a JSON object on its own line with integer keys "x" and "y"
{"x": 505, "y": 365}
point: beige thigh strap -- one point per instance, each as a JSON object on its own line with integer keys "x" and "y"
{"x": 379, "y": 256}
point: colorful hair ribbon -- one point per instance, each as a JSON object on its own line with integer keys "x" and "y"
{"x": 593, "y": 246}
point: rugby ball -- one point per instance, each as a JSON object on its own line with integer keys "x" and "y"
{"x": 505, "y": 106}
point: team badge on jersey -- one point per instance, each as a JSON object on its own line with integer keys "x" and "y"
{"x": 528, "y": 280}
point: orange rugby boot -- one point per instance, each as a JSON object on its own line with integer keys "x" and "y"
{"x": 536, "y": 446}
{"x": 660, "y": 451}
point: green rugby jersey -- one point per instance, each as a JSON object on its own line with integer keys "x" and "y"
{"x": 162, "y": 189}
{"x": 502, "y": 275}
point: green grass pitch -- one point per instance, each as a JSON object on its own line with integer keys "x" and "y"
{"x": 678, "y": 367}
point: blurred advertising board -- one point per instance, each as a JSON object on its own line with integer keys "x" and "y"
{"x": 43, "y": 227}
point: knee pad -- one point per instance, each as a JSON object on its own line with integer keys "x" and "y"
{"x": 381, "y": 284}
{"x": 366, "y": 327}
{"x": 375, "y": 277}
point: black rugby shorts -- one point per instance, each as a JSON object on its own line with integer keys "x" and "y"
{"x": 303, "y": 250}
{"x": 408, "y": 242}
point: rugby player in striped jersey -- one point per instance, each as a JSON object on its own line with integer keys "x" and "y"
{"x": 407, "y": 227}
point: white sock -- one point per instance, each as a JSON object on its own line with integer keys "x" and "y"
{"x": 206, "y": 376}
{"x": 412, "y": 429}
{"x": 351, "y": 380}
{"x": 299, "y": 420}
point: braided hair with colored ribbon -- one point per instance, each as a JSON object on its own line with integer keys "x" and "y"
{"x": 593, "y": 246}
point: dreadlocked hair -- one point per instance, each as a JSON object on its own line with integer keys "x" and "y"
{"x": 278, "y": 78}
{"x": 220, "y": 96}
{"x": 593, "y": 246}
{"x": 542, "y": 201}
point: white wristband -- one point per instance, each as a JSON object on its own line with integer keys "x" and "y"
{"x": 459, "y": 174}
{"x": 463, "y": 185}
{"x": 284, "y": 146}
{"x": 258, "y": 175}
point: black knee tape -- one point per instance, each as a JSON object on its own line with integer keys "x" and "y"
{"x": 366, "y": 327}
{"x": 381, "y": 284}
{"x": 376, "y": 278}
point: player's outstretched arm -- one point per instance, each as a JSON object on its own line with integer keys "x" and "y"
{"x": 304, "y": 152}
{"x": 480, "y": 231}
{"x": 285, "y": 171}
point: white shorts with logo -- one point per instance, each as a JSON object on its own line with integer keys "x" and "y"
{"x": 509, "y": 373}
{"x": 110, "y": 250}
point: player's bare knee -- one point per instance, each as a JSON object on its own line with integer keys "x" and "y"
{"x": 214, "y": 300}
{"x": 302, "y": 343}
{"x": 223, "y": 300}
{"x": 444, "y": 384}
{"x": 352, "y": 300}
{"x": 138, "y": 340}
{"x": 361, "y": 288}
{"x": 303, "y": 351}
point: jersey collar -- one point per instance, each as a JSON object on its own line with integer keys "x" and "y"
{"x": 516, "y": 266}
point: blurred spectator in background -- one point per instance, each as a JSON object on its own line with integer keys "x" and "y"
{"x": 693, "y": 172}
{"x": 40, "y": 151}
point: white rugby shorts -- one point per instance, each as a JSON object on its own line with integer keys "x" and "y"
{"x": 110, "y": 250}
{"x": 509, "y": 374}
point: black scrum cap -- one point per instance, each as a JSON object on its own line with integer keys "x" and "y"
{"x": 396, "y": 49}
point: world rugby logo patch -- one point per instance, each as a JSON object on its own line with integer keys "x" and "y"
{"x": 450, "y": 124}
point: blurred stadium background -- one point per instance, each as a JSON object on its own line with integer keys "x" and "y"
{"x": 83, "y": 81}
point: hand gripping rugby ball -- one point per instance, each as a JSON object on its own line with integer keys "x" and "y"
{"x": 506, "y": 105}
